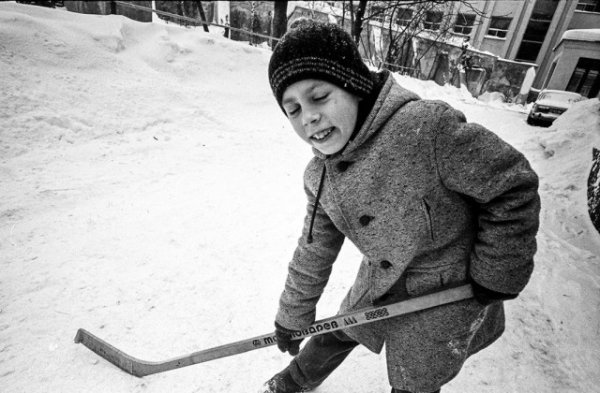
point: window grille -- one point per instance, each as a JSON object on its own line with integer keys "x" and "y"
{"x": 405, "y": 16}
{"x": 377, "y": 13}
{"x": 586, "y": 77}
{"x": 464, "y": 24}
{"x": 499, "y": 26}
{"x": 433, "y": 20}
{"x": 588, "y": 5}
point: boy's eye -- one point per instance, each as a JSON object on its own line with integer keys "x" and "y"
{"x": 292, "y": 111}
{"x": 320, "y": 97}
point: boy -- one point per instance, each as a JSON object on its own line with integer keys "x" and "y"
{"x": 430, "y": 200}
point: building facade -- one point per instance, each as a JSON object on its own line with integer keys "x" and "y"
{"x": 531, "y": 31}
{"x": 576, "y": 63}
{"x": 521, "y": 33}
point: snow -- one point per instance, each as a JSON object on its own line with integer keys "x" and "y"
{"x": 152, "y": 194}
{"x": 582, "y": 35}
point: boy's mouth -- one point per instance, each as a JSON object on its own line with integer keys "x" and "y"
{"x": 322, "y": 135}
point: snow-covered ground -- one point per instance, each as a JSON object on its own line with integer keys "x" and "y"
{"x": 151, "y": 192}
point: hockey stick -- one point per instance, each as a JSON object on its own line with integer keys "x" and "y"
{"x": 141, "y": 368}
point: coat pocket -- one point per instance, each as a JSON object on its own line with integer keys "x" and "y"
{"x": 424, "y": 280}
{"x": 455, "y": 320}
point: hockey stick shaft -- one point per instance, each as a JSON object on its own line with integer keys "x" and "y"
{"x": 141, "y": 368}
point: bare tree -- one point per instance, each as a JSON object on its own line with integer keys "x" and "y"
{"x": 357, "y": 23}
{"x": 406, "y": 22}
{"x": 202, "y": 15}
{"x": 391, "y": 28}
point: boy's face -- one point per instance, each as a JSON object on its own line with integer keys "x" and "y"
{"x": 322, "y": 114}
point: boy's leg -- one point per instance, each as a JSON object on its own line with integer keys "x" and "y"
{"x": 319, "y": 357}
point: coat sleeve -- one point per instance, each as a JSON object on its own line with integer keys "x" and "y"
{"x": 309, "y": 269}
{"x": 503, "y": 187}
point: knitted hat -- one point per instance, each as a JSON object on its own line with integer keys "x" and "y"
{"x": 314, "y": 50}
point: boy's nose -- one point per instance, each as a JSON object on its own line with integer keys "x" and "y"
{"x": 310, "y": 117}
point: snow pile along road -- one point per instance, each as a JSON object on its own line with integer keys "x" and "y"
{"x": 152, "y": 194}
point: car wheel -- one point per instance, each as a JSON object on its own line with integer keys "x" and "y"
{"x": 530, "y": 121}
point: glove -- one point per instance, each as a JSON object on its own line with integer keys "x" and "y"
{"x": 284, "y": 340}
{"x": 486, "y": 296}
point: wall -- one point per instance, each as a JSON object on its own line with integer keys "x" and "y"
{"x": 88, "y": 7}
{"x": 510, "y": 9}
{"x": 240, "y": 16}
{"x": 303, "y": 12}
{"x": 139, "y": 15}
{"x": 482, "y": 23}
{"x": 187, "y": 8}
{"x": 104, "y": 8}
{"x": 489, "y": 73}
{"x": 584, "y": 20}
{"x": 507, "y": 8}
{"x": 568, "y": 54}
{"x": 493, "y": 45}
{"x": 507, "y": 77}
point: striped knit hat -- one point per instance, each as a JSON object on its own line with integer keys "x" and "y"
{"x": 314, "y": 50}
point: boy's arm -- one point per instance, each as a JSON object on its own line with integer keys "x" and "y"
{"x": 475, "y": 162}
{"x": 309, "y": 269}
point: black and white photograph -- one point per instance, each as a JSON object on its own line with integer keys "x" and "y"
{"x": 300, "y": 196}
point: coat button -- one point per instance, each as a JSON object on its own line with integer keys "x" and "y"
{"x": 343, "y": 165}
{"x": 385, "y": 264}
{"x": 365, "y": 220}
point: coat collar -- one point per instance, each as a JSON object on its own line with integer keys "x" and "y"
{"x": 391, "y": 97}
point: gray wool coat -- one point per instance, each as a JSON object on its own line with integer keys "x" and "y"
{"x": 431, "y": 202}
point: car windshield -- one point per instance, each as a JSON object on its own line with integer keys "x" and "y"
{"x": 561, "y": 97}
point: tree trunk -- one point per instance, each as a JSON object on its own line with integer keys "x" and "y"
{"x": 202, "y": 15}
{"x": 358, "y": 20}
{"x": 351, "y": 11}
{"x": 279, "y": 18}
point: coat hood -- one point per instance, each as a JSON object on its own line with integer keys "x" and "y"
{"x": 391, "y": 97}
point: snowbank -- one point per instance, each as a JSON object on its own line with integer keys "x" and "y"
{"x": 568, "y": 150}
{"x": 430, "y": 90}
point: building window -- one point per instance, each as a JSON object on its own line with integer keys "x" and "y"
{"x": 588, "y": 5}
{"x": 585, "y": 79}
{"x": 433, "y": 20}
{"x": 499, "y": 26}
{"x": 405, "y": 16}
{"x": 378, "y": 13}
{"x": 536, "y": 30}
{"x": 464, "y": 23}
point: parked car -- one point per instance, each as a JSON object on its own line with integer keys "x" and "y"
{"x": 550, "y": 104}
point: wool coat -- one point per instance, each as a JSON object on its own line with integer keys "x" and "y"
{"x": 432, "y": 202}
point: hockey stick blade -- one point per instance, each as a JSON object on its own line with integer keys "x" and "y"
{"x": 141, "y": 368}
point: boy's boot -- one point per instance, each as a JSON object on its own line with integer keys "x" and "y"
{"x": 282, "y": 383}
